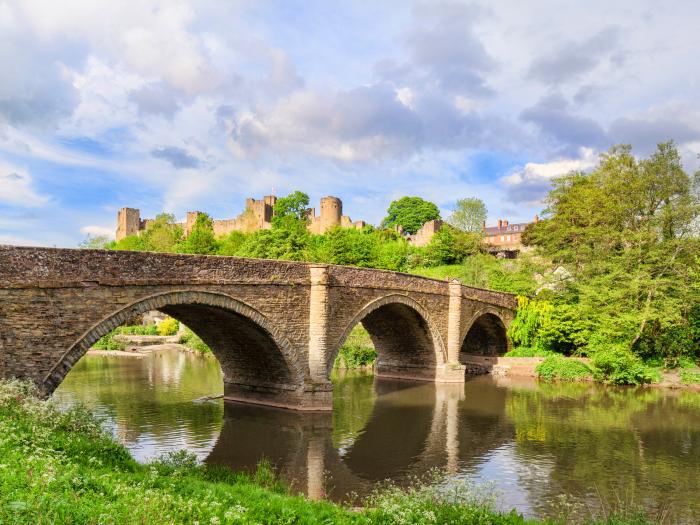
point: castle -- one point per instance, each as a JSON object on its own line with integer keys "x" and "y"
{"x": 256, "y": 216}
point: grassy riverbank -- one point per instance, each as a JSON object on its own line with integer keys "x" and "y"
{"x": 62, "y": 468}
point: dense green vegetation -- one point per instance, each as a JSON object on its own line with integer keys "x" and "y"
{"x": 357, "y": 351}
{"x": 558, "y": 368}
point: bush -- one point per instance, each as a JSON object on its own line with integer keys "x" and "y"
{"x": 690, "y": 377}
{"x": 108, "y": 342}
{"x": 616, "y": 365}
{"x": 168, "y": 326}
{"x": 526, "y": 351}
{"x": 559, "y": 368}
{"x": 358, "y": 350}
{"x": 193, "y": 342}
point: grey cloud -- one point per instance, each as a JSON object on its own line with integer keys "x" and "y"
{"x": 13, "y": 176}
{"x": 645, "y": 134}
{"x": 553, "y": 116}
{"x": 177, "y": 157}
{"x": 155, "y": 99}
{"x": 443, "y": 50}
{"x": 576, "y": 58}
{"x": 530, "y": 191}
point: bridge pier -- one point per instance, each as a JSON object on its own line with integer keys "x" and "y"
{"x": 453, "y": 371}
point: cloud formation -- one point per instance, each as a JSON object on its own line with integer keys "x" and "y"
{"x": 196, "y": 105}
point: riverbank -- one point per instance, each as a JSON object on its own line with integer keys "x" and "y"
{"x": 63, "y": 468}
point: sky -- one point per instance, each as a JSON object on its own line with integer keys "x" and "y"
{"x": 196, "y": 105}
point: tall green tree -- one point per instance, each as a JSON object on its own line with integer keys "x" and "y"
{"x": 625, "y": 231}
{"x": 201, "y": 239}
{"x": 162, "y": 234}
{"x": 410, "y": 213}
{"x": 469, "y": 215}
{"x": 290, "y": 210}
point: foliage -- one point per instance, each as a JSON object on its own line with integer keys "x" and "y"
{"x": 168, "y": 326}
{"x": 292, "y": 207}
{"x": 289, "y": 242}
{"x": 357, "y": 351}
{"x": 201, "y": 238}
{"x": 107, "y": 342}
{"x": 690, "y": 377}
{"x": 525, "y": 351}
{"x": 530, "y": 317}
{"x": 95, "y": 242}
{"x": 615, "y": 364}
{"x": 558, "y": 368}
{"x": 469, "y": 215}
{"x": 410, "y": 213}
{"x": 193, "y": 341}
{"x": 451, "y": 246}
{"x": 627, "y": 232}
{"x": 231, "y": 244}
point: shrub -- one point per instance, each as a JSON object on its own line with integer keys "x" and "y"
{"x": 559, "y": 368}
{"x": 193, "y": 342}
{"x": 168, "y": 326}
{"x": 526, "y": 351}
{"x": 358, "y": 350}
{"x": 108, "y": 342}
{"x": 616, "y": 365}
{"x": 690, "y": 377}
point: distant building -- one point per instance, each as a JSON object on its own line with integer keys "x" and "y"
{"x": 505, "y": 240}
{"x": 256, "y": 216}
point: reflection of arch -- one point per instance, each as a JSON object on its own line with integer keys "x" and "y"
{"x": 249, "y": 348}
{"x": 402, "y": 332}
{"x": 485, "y": 334}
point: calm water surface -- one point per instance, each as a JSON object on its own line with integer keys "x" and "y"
{"x": 532, "y": 441}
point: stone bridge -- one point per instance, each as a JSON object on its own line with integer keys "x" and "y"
{"x": 275, "y": 326}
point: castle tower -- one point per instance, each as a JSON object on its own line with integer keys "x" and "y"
{"x": 331, "y": 211}
{"x": 189, "y": 222}
{"x": 128, "y": 222}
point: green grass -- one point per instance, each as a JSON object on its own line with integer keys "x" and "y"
{"x": 559, "y": 368}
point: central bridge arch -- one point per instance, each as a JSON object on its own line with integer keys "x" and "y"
{"x": 485, "y": 334}
{"x": 406, "y": 339}
{"x": 254, "y": 356}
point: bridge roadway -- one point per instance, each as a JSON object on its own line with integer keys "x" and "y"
{"x": 275, "y": 326}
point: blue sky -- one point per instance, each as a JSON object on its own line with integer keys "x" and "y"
{"x": 185, "y": 105}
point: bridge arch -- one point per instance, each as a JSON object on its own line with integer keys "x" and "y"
{"x": 485, "y": 334}
{"x": 252, "y": 352}
{"x": 407, "y": 341}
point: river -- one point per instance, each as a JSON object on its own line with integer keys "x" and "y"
{"x": 540, "y": 448}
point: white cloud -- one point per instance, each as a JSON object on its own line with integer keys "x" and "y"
{"x": 16, "y": 188}
{"x": 96, "y": 231}
{"x": 530, "y": 184}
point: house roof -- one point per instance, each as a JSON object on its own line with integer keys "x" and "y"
{"x": 511, "y": 228}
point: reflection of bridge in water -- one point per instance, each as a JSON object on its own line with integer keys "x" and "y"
{"x": 412, "y": 428}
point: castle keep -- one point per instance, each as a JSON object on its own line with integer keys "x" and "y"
{"x": 256, "y": 216}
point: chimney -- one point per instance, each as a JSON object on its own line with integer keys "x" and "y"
{"x": 505, "y": 223}
{"x": 537, "y": 218}
{"x": 484, "y": 224}
{"x": 500, "y": 223}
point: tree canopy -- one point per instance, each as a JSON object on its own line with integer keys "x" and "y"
{"x": 410, "y": 213}
{"x": 469, "y": 215}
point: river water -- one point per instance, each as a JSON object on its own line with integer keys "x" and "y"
{"x": 540, "y": 448}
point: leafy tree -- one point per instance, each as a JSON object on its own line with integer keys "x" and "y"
{"x": 290, "y": 210}
{"x": 625, "y": 231}
{"x": 97, "y": 242}
{"x": 201, "y": 239}
{"x": 410, "y": 213}
{"x": 162, "y": 234}
{"x": 469, "y": 215}
{"x": 451, "y": 246}
{"x": 231, "y": 243}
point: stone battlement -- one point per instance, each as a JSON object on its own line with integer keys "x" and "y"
{"x": 256, "y": 216}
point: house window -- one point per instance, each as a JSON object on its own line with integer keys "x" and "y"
{"x": 508, "y": 238}
{"x": 502, "y": 238}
